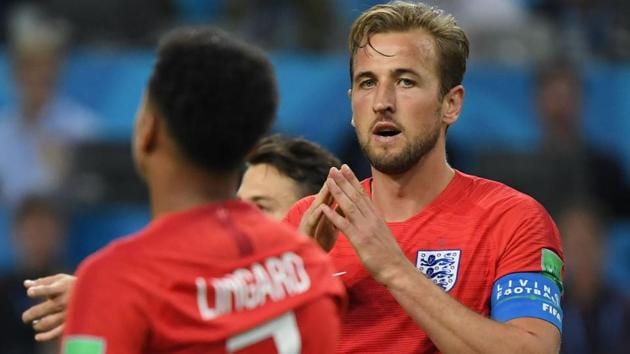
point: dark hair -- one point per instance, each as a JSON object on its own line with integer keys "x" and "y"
{"x": 217, "y": 95}
{"x": 301, "y": 160}
{"x": 451, "y": 42}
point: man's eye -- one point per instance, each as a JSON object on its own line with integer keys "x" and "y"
{"x": 367, "y": 83}
{"x": 262, "y": 207}
{"x": 406, "y": 82}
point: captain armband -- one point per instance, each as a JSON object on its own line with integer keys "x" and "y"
{"x": 526, "y": 295}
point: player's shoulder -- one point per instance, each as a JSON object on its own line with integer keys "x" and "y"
{"x": 304, "y": 203}
{"x": 118, "y": 254}
{"x": 294, "y": 215}
{"x": 496, "y": 196}
{"x": 286, "y": 236}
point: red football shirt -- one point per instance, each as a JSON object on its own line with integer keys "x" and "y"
{"x": 473, "y": 233}
{"x": 221, "y": 278}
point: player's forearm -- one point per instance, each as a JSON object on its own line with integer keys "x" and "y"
{"x": 452, "y": 327}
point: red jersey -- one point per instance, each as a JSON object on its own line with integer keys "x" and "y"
{"x": 473, "y": 233}
{"x": 221, "y": 278}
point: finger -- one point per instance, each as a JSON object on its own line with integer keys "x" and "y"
{"x": 323, "y": 196}
{"x": 38, "y": 311}
{"x": 325, "y": 232}
{"x": 328, "y": 200}
{"x": 50, "y": 322}
{"x": 365, "y": 201}
{"x": 350, "y": 176}
{"x": 312, "y": 217}
{"x": 338, "y": 221}
{"x": 347, "y": 206}
{"x": 52, "y": 334}
{"x": 356, "y": 195}
{"x": 43, "y": 281}
{"x": 51, "y": 290}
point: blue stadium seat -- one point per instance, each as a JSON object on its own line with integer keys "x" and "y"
{"x": 497, "y": 112}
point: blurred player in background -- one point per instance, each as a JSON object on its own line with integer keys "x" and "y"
{"x": 209, "y": 274}
{"x": 39, "y": 234}
{"x": 434, "y": 260}
{"x": 40, "y": 129}
{"x": 280, "y": 170}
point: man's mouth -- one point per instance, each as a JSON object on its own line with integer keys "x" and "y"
{"x": 385, "y": 129}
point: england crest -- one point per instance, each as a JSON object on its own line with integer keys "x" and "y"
{"x": 440, "y": 266}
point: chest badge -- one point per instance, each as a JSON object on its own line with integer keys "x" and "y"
{"x": 440, "y": 266}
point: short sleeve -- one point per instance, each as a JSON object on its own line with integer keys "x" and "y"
{"x": 294, "y": 216}
{"x": 105, "y": 314}
{"x": 529, "y": 242}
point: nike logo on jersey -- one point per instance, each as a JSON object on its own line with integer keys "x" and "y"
{"x": 274, "y": 279}
{"x": 338, "y": 274}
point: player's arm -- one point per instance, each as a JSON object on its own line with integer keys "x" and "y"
{"x": 48, "y": 317}
{"x": 452, "y": 327}
{"x": 106, "y": 312}
{"x": 456, "y": 329}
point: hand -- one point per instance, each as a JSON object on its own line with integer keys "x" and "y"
{"x": 363, "y": 226}
{"x": 315, "y": 225}
{"x": 48, "y": 317}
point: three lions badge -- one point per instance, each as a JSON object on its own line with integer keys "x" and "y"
{"x": 440, "y": 266}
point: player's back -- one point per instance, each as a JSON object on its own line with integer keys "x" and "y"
{"x": 217, "y": 279}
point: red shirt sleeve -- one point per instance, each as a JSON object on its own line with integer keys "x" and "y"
{"x": 526, "y": 230}
{"x": 294, "y": 216}
{"x": 106, "y": 305}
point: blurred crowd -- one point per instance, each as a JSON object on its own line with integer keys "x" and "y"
{"x": 48, "y": 140}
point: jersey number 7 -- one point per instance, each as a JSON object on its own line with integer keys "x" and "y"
{"x": 283, "y": 330}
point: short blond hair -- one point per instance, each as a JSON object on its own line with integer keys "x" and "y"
{"x": 402, "y": 16}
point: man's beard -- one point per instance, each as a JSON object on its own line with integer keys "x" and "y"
{"x": 394, "y": 164}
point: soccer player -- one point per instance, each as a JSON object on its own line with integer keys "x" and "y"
{"x": 280, "y": 171}
{"x": 209, "y": 274}
{"x": 434, "y": 260}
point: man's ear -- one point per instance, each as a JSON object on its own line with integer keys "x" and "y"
{"x": 452, "y": 104}
{"x": 147, "y": 130}
{"x": 352, "y": 120}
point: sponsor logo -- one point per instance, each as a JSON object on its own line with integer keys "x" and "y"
{"x": 551, "y": 264}
{"x": 83, "y": 345}
{"x": 440, "y": 266}
{"x": 529, "y": 288}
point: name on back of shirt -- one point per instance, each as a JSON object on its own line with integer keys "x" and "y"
{"x": 273, "y": 279}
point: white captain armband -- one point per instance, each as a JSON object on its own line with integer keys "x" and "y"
{"x": 526, "y": 295}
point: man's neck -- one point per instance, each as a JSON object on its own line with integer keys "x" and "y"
{"x": 178, "y": 188}
{"x": 399, "y": 197}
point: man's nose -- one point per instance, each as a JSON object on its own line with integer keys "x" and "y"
{"x": 384, "y": 99}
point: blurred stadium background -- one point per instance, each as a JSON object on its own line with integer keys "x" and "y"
{"x": 547, "y": 111}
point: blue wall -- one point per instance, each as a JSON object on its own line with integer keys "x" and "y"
{"x": 314, "y": 103}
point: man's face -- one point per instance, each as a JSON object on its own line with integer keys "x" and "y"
{"x": 271, "y": 191}
{"x": 36, "y": 73}
{"x": 395, "y": 99}
{"x": 559, "y": 103}
{"x": 39, "y": 237}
